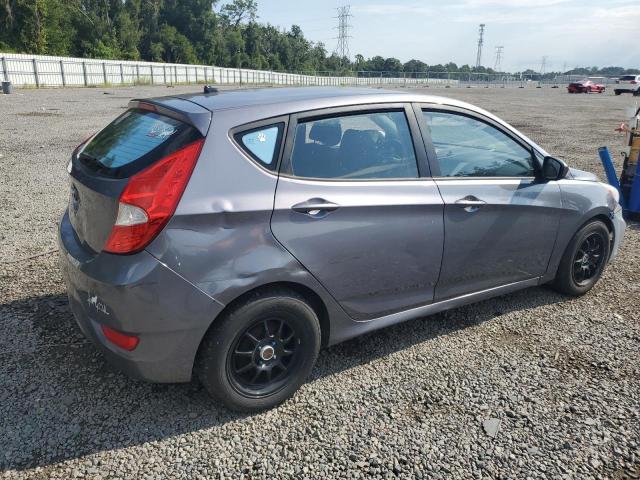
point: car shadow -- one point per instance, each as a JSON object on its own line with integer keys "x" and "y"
{"x": 60, "y": 400}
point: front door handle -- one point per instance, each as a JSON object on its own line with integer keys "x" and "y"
{"x": 315, "y": 207}
{"x": 470, "y": 203}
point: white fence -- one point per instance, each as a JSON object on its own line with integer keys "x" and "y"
{"x": 45, "y": 71}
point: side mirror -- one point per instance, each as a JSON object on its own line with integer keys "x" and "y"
{"x": 553, "y": 169}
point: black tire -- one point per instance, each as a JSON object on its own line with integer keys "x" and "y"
{"x": 584, "y": 260}
{"x": 251, "y": 341}
{"x": 636, "y": 93}
{"x": 617, "y": 92}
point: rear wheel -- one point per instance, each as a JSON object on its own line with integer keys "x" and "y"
{"x": 260, "y": 352}
{"x": 636, "y": 93}
{"x": 617, "y": 92}
{"x": 584, "y": 259}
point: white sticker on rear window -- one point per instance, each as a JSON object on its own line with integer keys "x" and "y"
{"x": 161, "y": 129}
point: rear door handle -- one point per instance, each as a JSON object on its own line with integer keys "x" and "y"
{"x": 315, "y": 207}
{"x": 470, "y": 203}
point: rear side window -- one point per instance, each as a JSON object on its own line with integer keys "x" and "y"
{"x": 628, "y": 77}
{"x": 372, "y": 146}
{"x": 135, "y": 140}
{"x": 262, "y": 143}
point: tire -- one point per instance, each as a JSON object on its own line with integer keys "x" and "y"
{"x": 617, "y": 92}
{"x": 577, "y": 273}
{"x": 636, "y": 93}
{"x": 249, "y": 341}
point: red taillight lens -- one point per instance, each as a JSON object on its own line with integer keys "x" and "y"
{"x": 150, "y": 199}
{"x": 122, "y": 340}
{"x": 634, "y": 81}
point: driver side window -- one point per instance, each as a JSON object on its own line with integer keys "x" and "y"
{"x": 374, "y": 145}
{"x": 466, "y": 147}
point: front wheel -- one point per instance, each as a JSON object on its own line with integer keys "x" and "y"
{"x": 584, "y": 259}
{"x": 260, "y": 352}
{"x": 617, "y": 92}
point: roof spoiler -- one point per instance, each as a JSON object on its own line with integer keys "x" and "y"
{"x": 178, "y": 108}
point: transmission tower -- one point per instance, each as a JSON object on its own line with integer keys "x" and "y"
{"x": 342, "y": 48}
{"x": 480, "y": 43}
{"x": 497, "y": 66}
{"x": 543, "y": 65}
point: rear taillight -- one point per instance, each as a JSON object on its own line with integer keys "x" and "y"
{"x": 634, "y": 81}
{"x": 122, "y": 340}
{"x": 150, "y": 199}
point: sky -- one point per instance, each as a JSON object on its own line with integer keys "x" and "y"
{"x": 568, "y": 32}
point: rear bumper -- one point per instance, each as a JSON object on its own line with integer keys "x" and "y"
{"x": 136, "y": 294}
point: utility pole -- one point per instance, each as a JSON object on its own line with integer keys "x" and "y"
{"x": 497, "y": 65}
{"x": 342, "y": 48}
{"x": 480, "y": 43}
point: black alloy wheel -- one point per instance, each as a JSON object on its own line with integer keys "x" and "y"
{"x": 584, "y": 259}
{"x": 263, "y": 357}
{"x": 259, "y": 352}
{"x": 588, "y": 259}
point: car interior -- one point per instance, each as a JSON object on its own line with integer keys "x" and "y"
{"x": 354, "y": 147}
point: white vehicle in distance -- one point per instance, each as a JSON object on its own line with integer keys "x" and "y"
{"x": 628, "y": 84}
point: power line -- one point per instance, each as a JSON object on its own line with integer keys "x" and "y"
{"x": 497, "y": 65}
{"x": 342, "y": 48}
{"x": 480, "y": 43}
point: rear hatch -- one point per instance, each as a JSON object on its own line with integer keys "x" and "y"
{"x": 102, "y": 167}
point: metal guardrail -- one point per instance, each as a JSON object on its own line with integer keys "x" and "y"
{"x": 43, "y": 71}
{"x": 46, "y": 71}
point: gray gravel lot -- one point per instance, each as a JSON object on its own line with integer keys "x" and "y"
{"x": 558, "y": 377}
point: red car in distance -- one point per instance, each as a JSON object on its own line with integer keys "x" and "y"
{"x": 585, "y": 86}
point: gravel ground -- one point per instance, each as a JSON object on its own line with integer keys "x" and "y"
{"x": 529, "y": 385}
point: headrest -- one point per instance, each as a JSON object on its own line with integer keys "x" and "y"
{"x": 360, "y": 138}
{"x": 327, "y": 132}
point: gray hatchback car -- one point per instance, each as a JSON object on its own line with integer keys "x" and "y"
{"x": 232, "y": 235}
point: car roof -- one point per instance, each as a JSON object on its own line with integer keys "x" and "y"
{"x": 297, "y": 99}
{"x": 262, "y": 103}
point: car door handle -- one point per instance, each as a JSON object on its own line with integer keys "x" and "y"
{"x": 470, "y": 203}
{"x": 315, "y": 207}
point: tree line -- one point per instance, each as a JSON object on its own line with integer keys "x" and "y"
{"x": 191, "y": 31}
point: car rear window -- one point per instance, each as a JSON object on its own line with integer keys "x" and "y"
{"x": 133, "y": 141}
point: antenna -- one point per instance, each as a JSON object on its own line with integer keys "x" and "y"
{"x": 497, "y": 65}
{"x": 480, "y": 43}
{"x": 342, "y": 49}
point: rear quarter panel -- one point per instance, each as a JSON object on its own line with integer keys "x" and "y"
{"x": 220, "y": 237}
